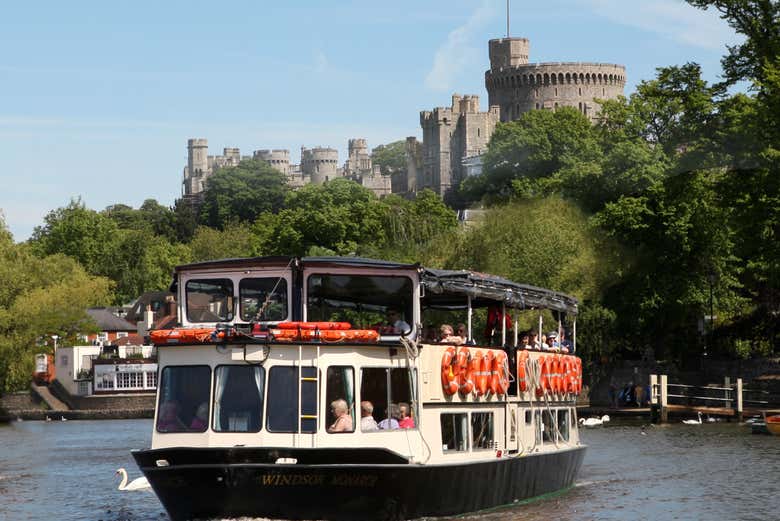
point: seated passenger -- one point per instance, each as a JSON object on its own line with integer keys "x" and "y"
{"x": 343, "y": 421}
{"x": 524, "y": 342}
{"x": 405, "y": 420}
{"x": 391, "y": 422}
{"x": 448, "y": 336}
{"x": 461, "y": 332}
{"x": 534, "y": 343}
{"x": 168, "y": 418}
{"x": 201, "y": 419}
{"x": 367, "y": 421}
{"x": 394, "y": 319}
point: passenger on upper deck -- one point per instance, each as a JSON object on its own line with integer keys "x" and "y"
{"x": 394, "y": 319}
{"x": 343, "y": 421}
{"x": 534, "y": 343}
{"x": 448, "y": 336}
{"x": 367, "y": 421}
{"x": 524, "y": 342}
{"x": 461, "y": 332}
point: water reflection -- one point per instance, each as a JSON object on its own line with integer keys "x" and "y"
{"x": 65, "y": 471}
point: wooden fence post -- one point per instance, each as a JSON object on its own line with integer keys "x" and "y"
{"x": 726, "y": 393}
{"x": 664, "y": 399}
{"x": 739, "y": 399}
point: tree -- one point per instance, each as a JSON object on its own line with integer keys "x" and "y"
{"x": 236, "y": 240}
{"x": 391, "y": 157}
{"x": 759, "y": 22}
{"x": 40, "y": 297}
{"x": 535, "y": 147}
{"x": 241, "y": 193}
{"x": 78, "y": 232}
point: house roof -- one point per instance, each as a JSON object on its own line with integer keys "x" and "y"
{"x": 108, "y": 321}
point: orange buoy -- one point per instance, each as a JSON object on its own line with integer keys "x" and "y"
{"x": 566, "y": 372}
{"x": 465, "y": 371}
{"x": 499, "y": 380}
{"x": 448, "y": 377}
{"x": 522, "y": 382}
{"x": 483, "y": 376}
{"x": 544, "y": 376}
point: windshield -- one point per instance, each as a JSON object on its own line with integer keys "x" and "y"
{"x": 365, "y": 301}
{"x": 263, "y": 299}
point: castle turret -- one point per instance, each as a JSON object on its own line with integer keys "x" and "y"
{"x": 320, "y": 164}
{"x": 517, "y": 86}
{"x": 277, "y": 158}
{"x": 197, "y": 156}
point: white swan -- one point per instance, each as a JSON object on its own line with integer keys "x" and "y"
{"x": 693, "y": 422}
{"x": 137, "y": 484}
{"x": 594, "y": 422}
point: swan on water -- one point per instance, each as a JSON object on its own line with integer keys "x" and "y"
{"x": 137, "y": 484}
{"x": 693, "y": 422}
{"x": 594, "y": 422}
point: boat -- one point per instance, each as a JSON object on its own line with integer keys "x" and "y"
{"x": 773, "y": 424}
{"x": 307, "y": 388}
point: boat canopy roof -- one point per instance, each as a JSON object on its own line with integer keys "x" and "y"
{"x": 447, "y": 288}
{"x": 444, "y": 289}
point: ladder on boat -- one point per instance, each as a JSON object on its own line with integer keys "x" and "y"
{"x": 308, "y": 376}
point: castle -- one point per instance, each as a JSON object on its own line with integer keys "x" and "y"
{"x": 318, "y": 165}
{"x": 454, "y": 137}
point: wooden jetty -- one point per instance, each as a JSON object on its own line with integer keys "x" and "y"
{"x": 729, "y": 401}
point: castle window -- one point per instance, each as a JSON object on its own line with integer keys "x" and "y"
{"x": 556, "y": 91}
{"x": 477, "y": 132}
{"x": 603, "y": 92}
{"x": 580, "y": 91}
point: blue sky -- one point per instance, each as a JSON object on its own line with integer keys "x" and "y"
{"x": 97, "y": 99}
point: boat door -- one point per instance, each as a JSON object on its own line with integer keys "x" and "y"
{"x": 512, "y": 430}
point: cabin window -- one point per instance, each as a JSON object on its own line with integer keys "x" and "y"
{"x": 283, "y": 414}
{"x": 548, "y": 426}
{"x": 263, "y": 299}
{"x": 390, "y": 393}
{"x": 238, "y": 398}
{"x": 340, "y": 392}
{"x": 529, "y": 418}
{"x": 482, "y": 430}
{"x": 563, "y": 425}
{"x": 362, "y": 300}
{"x": 183, "y": 389}
{"x": 454, "y": 432}
{"x": 209, "y": 300}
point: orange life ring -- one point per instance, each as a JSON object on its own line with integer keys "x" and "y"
{"x": 448, "y": 377}
{"x": 465, "y": 371}
{"x": 522, "y": 382}
{"x": 544, "y": 376}
{"x": 555, "y": 377}
{"x": 483, "y": 376}
{"x": 566, "y": 372}
{"x": 499, "y": 380}
{"x": 578, "y": 375}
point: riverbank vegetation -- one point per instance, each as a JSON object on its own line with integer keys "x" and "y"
{"x": 662, "y": 218}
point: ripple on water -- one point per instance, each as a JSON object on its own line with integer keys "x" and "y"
{"x": 65, "y": 471}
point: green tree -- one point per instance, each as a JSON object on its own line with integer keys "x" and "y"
{"x": 40, "y": 297}
{"x": 391, "y": 157}
{"x": 241, "y": 193}
{"x": 78, "y": 232}
{"x": 235, "y": 240}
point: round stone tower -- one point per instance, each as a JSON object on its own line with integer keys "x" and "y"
{"x": 197, "y": 156}
{"x": 277, "y": 158}
{"x": 517, "y": 86}
{"x": 320, "y": 164}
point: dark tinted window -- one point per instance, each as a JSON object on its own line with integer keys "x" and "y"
{"x": 362, "y": 300}
{"x": 282, "y": 409}
{"x": 482, "y": 430}
{"x": 340, "y": 386}
{"x": 209, "y": 300}
{"x": 263, "y": 300}
{"x": 184, "y": 399}
{"x": 238, "y": 398}
{"x": 454, "y": 432}
{"x": 388, "y": 390}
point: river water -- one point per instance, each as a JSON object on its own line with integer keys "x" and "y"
{"x": 65, "y": 471}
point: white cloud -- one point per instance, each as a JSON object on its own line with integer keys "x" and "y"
{"x": 461, "y": 50}
{"x": 673, "y": 19}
